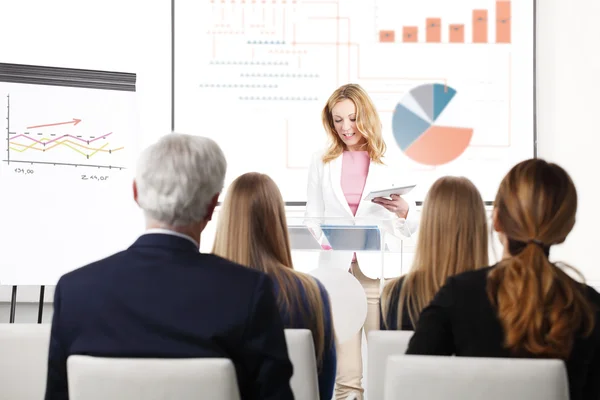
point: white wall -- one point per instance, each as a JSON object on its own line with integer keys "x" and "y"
{"x": 568, "y": 62}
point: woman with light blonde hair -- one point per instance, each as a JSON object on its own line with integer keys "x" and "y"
{"x": 452, "y": 239}
{"x": 525, "y": 306}
{"x": 338, "y": 178}
{"x": 252, "y": 231}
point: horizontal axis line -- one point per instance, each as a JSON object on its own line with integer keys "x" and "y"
{"x": 67, "y": 164}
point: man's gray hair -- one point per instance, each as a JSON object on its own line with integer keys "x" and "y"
{"x": 178, "y": 176}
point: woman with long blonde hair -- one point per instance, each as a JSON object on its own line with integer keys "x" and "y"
{"x": 338, "y": 178}
{"x": 452, "y": 239}
{"x": 526, "y": 305}
{"x": 252, "y": 231}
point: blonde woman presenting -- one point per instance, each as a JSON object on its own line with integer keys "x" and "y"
{"x": 338, "y": 179}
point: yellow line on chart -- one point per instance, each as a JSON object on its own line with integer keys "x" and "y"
{"x": 65, "y": 143}
{"x": 105, "y": 144}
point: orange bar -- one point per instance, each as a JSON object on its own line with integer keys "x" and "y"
{"x": 503, "y": 21}
{"x": 480, "y": 26}
{"x": 457, "y": 33}
{"x": 410, "y": 34}
{"x": 387, "y": 36}
{"x": 434, "y": 30}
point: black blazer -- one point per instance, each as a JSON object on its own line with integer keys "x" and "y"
{"x": 392, "y": 315}
{"x": 162, "y": 298}
{"x": 461, "y": 320}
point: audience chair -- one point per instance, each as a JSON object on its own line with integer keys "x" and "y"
{"x": 23, "y": 360}
{"x": 469, "y": 378}
{"x": 301, "y": 349}
{"x": 98, "y": 378}
{"x": 381, "y": 344}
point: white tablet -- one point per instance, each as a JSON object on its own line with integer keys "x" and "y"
{"x": 399, "y": 190}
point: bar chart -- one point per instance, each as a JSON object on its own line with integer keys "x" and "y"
{"x": 485, "y": 27}
{"x": 456, "y": 33}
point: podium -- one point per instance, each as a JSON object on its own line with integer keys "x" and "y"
{"x": 325, "y": 247}
{"x": 332, "y": 237}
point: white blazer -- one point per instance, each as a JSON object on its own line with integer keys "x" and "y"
{"x": 325, "y": 199}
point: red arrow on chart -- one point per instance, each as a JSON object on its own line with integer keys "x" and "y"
{"x": 74, "y": 122}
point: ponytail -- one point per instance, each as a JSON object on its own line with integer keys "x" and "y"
{"x": 540, "y": 307}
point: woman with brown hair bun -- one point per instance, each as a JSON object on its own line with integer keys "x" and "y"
{"x": 525, "y": 306}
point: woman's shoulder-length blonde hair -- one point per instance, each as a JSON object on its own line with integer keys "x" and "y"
{"x": 453, "y": 238}
{"x": 367, "y": 122}
{"x": 252, "y": 231}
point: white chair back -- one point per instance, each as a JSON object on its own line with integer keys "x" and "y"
{"x": 97, "y": 378}
{"x": 23, "y": 360}
{"x": 381, "y": 344}
{"x": 466, "y": 378}
{"x": 301, "y": 349}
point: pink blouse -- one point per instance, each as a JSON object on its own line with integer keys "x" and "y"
{"x": 355, "y": 168}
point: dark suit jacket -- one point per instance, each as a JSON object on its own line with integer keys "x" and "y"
{"x": 392, "y": 315}
{"x": 461, "y": 320}
{"x": 162, "y": 298}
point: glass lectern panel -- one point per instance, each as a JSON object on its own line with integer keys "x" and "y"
{"x": 374, "y": 242}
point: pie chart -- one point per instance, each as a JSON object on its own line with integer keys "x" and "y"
{"x": 427, "y": 125}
